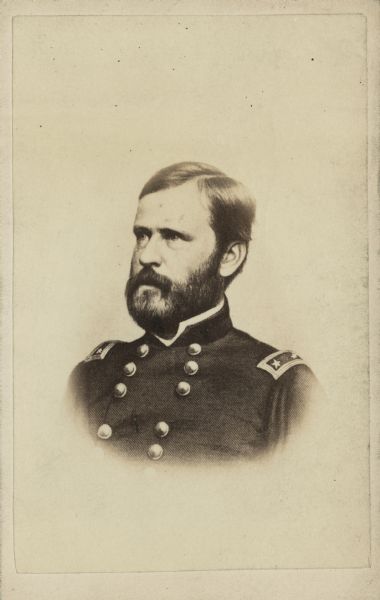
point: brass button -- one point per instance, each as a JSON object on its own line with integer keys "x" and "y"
{"x": 104, "y": 431}
{"x": 161, "y": 429}
{"x": 120, "y": 390}
{"x": 194, "y": 349}
{"x": 183, "y": 388}
{"x": 191, "y": 367}
{"x": 130, "y": 369}
{"x": 142, "y": 350}
{"x": 155, "y": 451}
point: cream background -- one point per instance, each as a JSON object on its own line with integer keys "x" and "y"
{"x": 302, "y": 150}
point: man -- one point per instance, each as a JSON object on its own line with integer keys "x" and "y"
{"x": 192, "y": 387}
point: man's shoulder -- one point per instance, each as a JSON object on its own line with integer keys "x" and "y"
{"x": 104, "y": 349}
{"x": 266, "y": 358}
{"x": 107, "y": 352}
{"x": 99, "y": 364}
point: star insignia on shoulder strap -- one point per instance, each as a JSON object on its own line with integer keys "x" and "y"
{"x": 100, "y": 351}
{"x": 279, "y": 362}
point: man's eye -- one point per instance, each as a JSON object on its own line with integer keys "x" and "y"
{"x": 141, "y": 237}
{"x": 171, "y": 236}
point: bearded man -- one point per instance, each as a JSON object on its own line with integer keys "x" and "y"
{"x": 192, "y": 387}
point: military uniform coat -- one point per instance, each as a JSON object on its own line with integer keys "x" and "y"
{"x": 215, "y": 393}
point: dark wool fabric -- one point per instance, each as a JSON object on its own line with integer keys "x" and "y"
{"x": 233, "y": 410}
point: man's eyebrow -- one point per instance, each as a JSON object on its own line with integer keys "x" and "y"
{"x": 140, "y": 229}
{"x": 180, "y": 233}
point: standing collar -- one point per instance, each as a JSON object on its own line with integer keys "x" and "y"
{"x": 189, "y": 322}
{"x": 203, "y": 328}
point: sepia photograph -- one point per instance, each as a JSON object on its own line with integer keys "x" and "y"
{"x": 189, "y": 394}
{"x": 218, "y": 388}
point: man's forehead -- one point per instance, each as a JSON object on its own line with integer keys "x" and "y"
{"x": 183, "y": 205}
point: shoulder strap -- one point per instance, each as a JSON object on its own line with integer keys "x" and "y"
{"x": 101, "y": 351}
{"x": 279, "y": 362}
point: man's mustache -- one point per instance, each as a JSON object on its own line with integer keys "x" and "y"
{"x": 149, "y": 277}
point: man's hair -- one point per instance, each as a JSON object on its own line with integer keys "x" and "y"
{"x": 232, "y": 208}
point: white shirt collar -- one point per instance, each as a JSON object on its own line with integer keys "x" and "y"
{"x": 183, "y": 324}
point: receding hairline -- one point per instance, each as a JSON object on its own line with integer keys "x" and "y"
{"x": 196, "y": 190}
{"x": 199, "y": 183}
{"x": 204, "y": 184}
{"x": 178, "y": 174}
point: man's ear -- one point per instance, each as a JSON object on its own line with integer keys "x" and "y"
{"x": 232, "y": 258}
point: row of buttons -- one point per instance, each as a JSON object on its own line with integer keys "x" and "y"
{"x": 191, "y": 367}
{"x": 120, "y": 390}
{"x": 161, "y": 429}
{"x": 143, "y": 350}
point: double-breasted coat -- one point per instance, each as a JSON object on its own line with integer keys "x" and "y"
{"x": 215, "y": 393}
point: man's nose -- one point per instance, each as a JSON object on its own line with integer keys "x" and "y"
{"x": 151, "y": 255}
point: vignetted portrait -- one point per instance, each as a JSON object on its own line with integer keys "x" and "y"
{"x": 190, "y": 294}
{"x": 193, "y": 386}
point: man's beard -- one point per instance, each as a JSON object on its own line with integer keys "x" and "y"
{"x": 160, "y": 309}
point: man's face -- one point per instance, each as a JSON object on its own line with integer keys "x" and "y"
{"x": 174, "y": 269}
